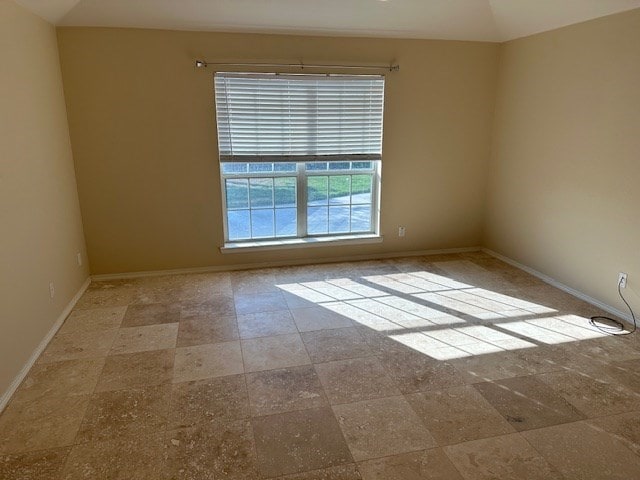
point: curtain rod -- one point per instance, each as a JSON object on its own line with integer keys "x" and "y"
{"x": 302, "y": 66}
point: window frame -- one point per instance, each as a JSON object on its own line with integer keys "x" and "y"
{"x": 338, "y": 138}
{"x": 302, "y": 174}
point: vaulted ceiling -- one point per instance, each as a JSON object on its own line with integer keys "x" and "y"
{"x": 482, "y": 20}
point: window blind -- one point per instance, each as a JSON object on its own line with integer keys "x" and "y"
{"x": 291, "y": 118}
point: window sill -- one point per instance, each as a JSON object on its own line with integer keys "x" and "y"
{"x": 338, "y": 240}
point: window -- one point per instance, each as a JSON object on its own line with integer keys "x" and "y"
{"x": 300, "y": 154}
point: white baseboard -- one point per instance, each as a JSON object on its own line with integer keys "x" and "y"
{"x": 6, "y": 396}
{"x": 555, "y": 283}
{"x": 284, "y": 263}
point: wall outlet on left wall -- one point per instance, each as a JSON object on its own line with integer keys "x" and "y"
{"x": 52, "y": 290}
{"x": 79, "y": 258}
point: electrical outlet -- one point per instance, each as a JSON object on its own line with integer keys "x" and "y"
{"x": 622, "y": 280}
{"x": 79, "y": 257}
{"x": 401, "y": 231}
{"x": 52, "y": 290}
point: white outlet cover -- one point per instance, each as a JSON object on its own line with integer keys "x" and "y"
{"x": 622, "y": 280}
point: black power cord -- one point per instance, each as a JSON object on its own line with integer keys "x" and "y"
{"x": 619, "y": 326}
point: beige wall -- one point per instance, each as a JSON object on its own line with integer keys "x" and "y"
{"x": 40, "y": 225}
{"x": 144, "y": 140}
{"x": 564, "y": 191}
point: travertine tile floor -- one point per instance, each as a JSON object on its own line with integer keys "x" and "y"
{"x": 448, "y": 367}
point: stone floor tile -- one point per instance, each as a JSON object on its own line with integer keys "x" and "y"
{"x": 430, "y": 464}
{"x": 341, "y": 472}
{"x": 259, "y": 302}
{"x": 625, "y": 373}
{"x": 267, "y": 353}
{"x": 624, "y": 427}
{"x": 215, "y": 306}
{"x": 416, "y": 372}
{"x": 579, "y": 450}
{"x": 508, "y": 457}
{"x": 151, "y": 314}
{"x": 40, "y": 465}
{"x": 382, "y": 427}
{"x": 46, "y": 423}
{"x": 144, "y": 339}
{"x": 266, "y": 324}
{"x": 205, "y": 287}
{"x": 335, "y": 344}
{"x": 59, "y": 379}
{"x": 132, "y": 370}
{"x": 348, "y": 381}
{"x": 458, "y": 414}
{"x": 285, "y": 390}
{"x": 301, "y": 298}
{"x": 605, "y": 349}
{"x": 157, "y": 289}
{"x": 116, "y": 293}
{"x": 318, "y": 318}
{"x": 128, "y": 458}
{"x": 211, "y": 451}
{"x": 207, "y": 361}
{"x": 107, "y": 318}
{"x": 493, "y": 366}
{"x": 121, "y": 413}
{"x": 299, "y": 441}
{"x": 381, "y": 344}
{"x": 253, "y": 281}
{"x": 199, "y": 331}
{"x": 527, "y": 403}
{"x": 203, "y": 401}
{"x": 594, "y": 393}
{"x": 78, "y": 345}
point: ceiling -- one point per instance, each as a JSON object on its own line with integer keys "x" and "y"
{"x": 481, "y": 20}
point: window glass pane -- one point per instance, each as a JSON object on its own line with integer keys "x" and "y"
{"x": 262, "y": 208}
{"x": 317, "y": 190}
{"x": 234, "y": 168}
{"x": 286, "y": 222}
{"x": 362, "y": 165}
{"x": 315, "y": 166}
{"x": 262, "y": 223}
{"x": 339, "y": 189}
{"x": 317, "y": 218}
{"x": 237, "y": 193}
{"x": 361, "y": 188}
{"x": 339, "y": 219}
{"x": 285, "y": 192}
{"x": 284, "y": 167}
{"x": 339, "y": 165}
{"x": 260, "y": 167}
{"x": 361, "y": 218}
{"x": 261, "y": 192}
{"x": 238, "y": 224}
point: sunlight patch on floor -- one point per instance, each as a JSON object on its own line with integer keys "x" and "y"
{"x": 362, "y": 317}
{"x": 441, "y": 317}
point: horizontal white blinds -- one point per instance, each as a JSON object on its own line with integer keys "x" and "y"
{"x": 274, "y": 118}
